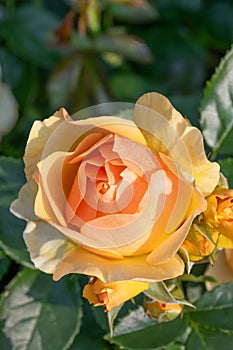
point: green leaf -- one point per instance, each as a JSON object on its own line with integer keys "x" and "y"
{"x": 64, "y": 80}
{"x": 29, "y": 33}
{"x": 91, "y": 333}
{"x": 134, "y": 321}
{"x": 83, "y": 342}
{"x": 12, "y": 68}
{"x": 217, "y": 109}
{"x": 38, "y": 313}
{"x": 227, "y": 169}
{"x": 2, "y": 12}
{"x": 112, "y": 314}
{"x": 136, "y": 331}
{"x": 100, "y": 318}
{"x": 124, "y": 45}
{"x": 197, "y": 279}
{"x": 136, "y": 85}
{"x": 212, "y": 320}
{"x": 217, "y": 26}
{"x": 11, "y": 179}
{"x": 133, "y": 13}
{"x": 175, "y": 347}
{"x": 11, "y": 228}
{"x": 4, "y": 264}
{"x": 158, "y": 291}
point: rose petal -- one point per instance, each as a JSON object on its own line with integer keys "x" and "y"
{"x": 138, "y": 159}
{"x": 38, "y": 138}
{"x": 89, "y": 144}
{"x": 23, "y": 206}
{"x": 116, "y": 292}
{"x": 47, "y": 246}
{"x": 121, "y": 230}
{"x": 90, "y": 244}
{"x": 172, "y": 242}
{"x": 79, "y": 260}
{"x": 168, "y": 132}
{"x": 225, "y": 242}
{"x": 50, "y": 200}
{"x": 77, "y": 130}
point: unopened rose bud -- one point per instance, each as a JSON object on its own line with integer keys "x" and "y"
{"x": 112, "y": 294}
{"x": 160, "y": 311}
{"x": 199, "y": 246}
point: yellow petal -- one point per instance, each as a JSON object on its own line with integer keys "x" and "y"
{"x": 46, "y": 245}
{"x": 51, "y": 200}
{"x": 112, "y": 294}
{"x": 115, "y": 125}
{"x": 224, "y": 242}
{"x": 79, "y": 260}
{"x": 38, "y": 138}
{"x": 69, "y": 133}
{"x": 171, "y": 242}
{"x": 168, "y": 132}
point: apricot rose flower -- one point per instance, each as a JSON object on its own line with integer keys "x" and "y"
{"x": 113, "y": 198}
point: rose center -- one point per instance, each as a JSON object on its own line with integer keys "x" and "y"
{"x": 103, "y": 187}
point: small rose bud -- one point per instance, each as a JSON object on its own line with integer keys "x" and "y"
{"x": 160, "y": 311}
{"x": 112, "y": 294}
{"x": 198, "y": 245}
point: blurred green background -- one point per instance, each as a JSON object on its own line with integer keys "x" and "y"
{"x": 76, "y": 53}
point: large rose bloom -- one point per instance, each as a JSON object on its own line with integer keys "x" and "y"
{"x": 113, "y": 198}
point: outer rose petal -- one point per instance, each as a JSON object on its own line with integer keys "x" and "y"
{"x": 23, "y": 206}
{"x": 69, "y": 132}
{"x": 50, "y": 199}
{"x": 168, "y": 132}
{"x": 112, "y": 294}
{"x": 46, "y": 245}
{"x": 172, "y": 242}
{"x": 79, "y": 260}
{"x": 38, "y": 138}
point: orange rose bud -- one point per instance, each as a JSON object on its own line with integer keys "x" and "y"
{"x": 199, "y": 246}
{"x": 112, "y": 294}
{"x": 160, "y": 311}
{"x": 219, "y": 215}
